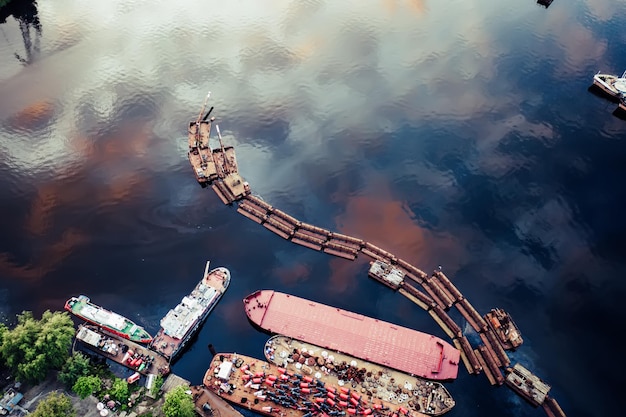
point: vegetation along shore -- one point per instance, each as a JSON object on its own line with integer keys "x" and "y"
{"x": 40, "y": 369}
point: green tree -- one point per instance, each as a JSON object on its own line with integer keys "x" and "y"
{"x": 178, "y": 403}
{"x": 54, "y": 405}
{"x": 87, "y": 385}
{"x": 119, "y": 391}
{"x": 34, "y": 347}
{"x": 158, "y": 383}
{"x": 75, "y": 366}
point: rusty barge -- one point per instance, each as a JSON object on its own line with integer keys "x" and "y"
{"x": 217, "y": 166}
{"x": 397, "y": 347}
{"x": 367, "y": 378}
{"x": 272, "y": 390}
{"x": 504, "y": 328}
{"x": 122, "y": 351}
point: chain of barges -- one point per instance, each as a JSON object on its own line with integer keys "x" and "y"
{"x": 439, "y": 294}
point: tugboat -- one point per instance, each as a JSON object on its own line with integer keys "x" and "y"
{"x": 83, "y": 308}
{"x": 182, "y": 322}
{"x": 504, "y": 327}
{"x": 271, "y": 390}
{"x": 622, "y": 103}
{"x": 395, "y": 387}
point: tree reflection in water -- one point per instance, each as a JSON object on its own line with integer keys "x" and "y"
{"x": 25, "y": 13}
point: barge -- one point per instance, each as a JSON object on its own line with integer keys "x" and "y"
{"x": 271, "y": 390}
{"x": 183, "y": 321}
{"x": 386, "y": 274}
{"x": 505, "y": 328}
{"x": 526, "y": 384}
{"x": 209, "y": 404}
{"x": 372, "y": 380}
{"x": 373, "y": 340}
{"x": 199, "y": 153}
{"x": 122, "y": 351}
{"x": 84, "y": 309}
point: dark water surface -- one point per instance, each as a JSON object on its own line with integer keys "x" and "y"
{"x": 452, "y": 133}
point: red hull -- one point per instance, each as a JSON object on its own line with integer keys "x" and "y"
{"x": 374, "y": 340}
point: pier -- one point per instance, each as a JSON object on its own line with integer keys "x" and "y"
{"x": 122, "y": 351}
{"x": 434, "y": 293}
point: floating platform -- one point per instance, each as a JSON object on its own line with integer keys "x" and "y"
{"x": 377, "y": 382}
{"x": 504, "y": 328}
{"x": 386, "y": 274}
{"x": 199, "y": 154}
{"x": 527, "y": 385}
{"x": 129, "y": 354}
{"x": 271, "y": 390}
{"x": 374, "y": 340}
{"x": 209, "y": 404}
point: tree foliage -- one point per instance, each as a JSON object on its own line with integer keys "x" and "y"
{"x": 87, "y": 385}
{"x": 75, "y": 366}
{"x": 158, "y": 383}
{"x": 34, "y": 347}
{"x": 119, "y": 391}
{"x": 3, "y": 330}
{"x": 54, "y": 405}
{"x": 178, "y": 403}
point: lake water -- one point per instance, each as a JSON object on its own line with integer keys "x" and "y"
{"x": 451, "y": 133}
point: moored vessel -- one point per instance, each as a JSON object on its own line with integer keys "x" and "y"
{"x": 505, "y": 328}
{"x": 526, "y": 384}
{"x": 209, "y": 404}
{"x": 83, "y": 308}
{"x": 386, "y": 274}
{"x": 183, "y": 321}
{"x": 610, "y": 84}
{"x": 373, "y": 380}
{"x": 384, "y": 343}
{"x": 271, "y": 390}
{"x": 129, "y": 354}
{"x": 199, "y": 153}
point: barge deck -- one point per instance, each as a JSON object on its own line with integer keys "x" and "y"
{"x": 122, "y": 351}
{"x": 374, "y": 340}
{"x": 366, "y": 378}
{"x": 268, "y": 389}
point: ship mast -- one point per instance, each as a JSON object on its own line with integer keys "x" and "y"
{"x": 197, "y": 135}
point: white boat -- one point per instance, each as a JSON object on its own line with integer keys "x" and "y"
{"x": 183, "y": 321}
{"x": 613, "y": 85}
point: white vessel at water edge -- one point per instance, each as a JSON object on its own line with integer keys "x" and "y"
{"x": 181, "y": 323}
{"x": 613, "y": 85}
